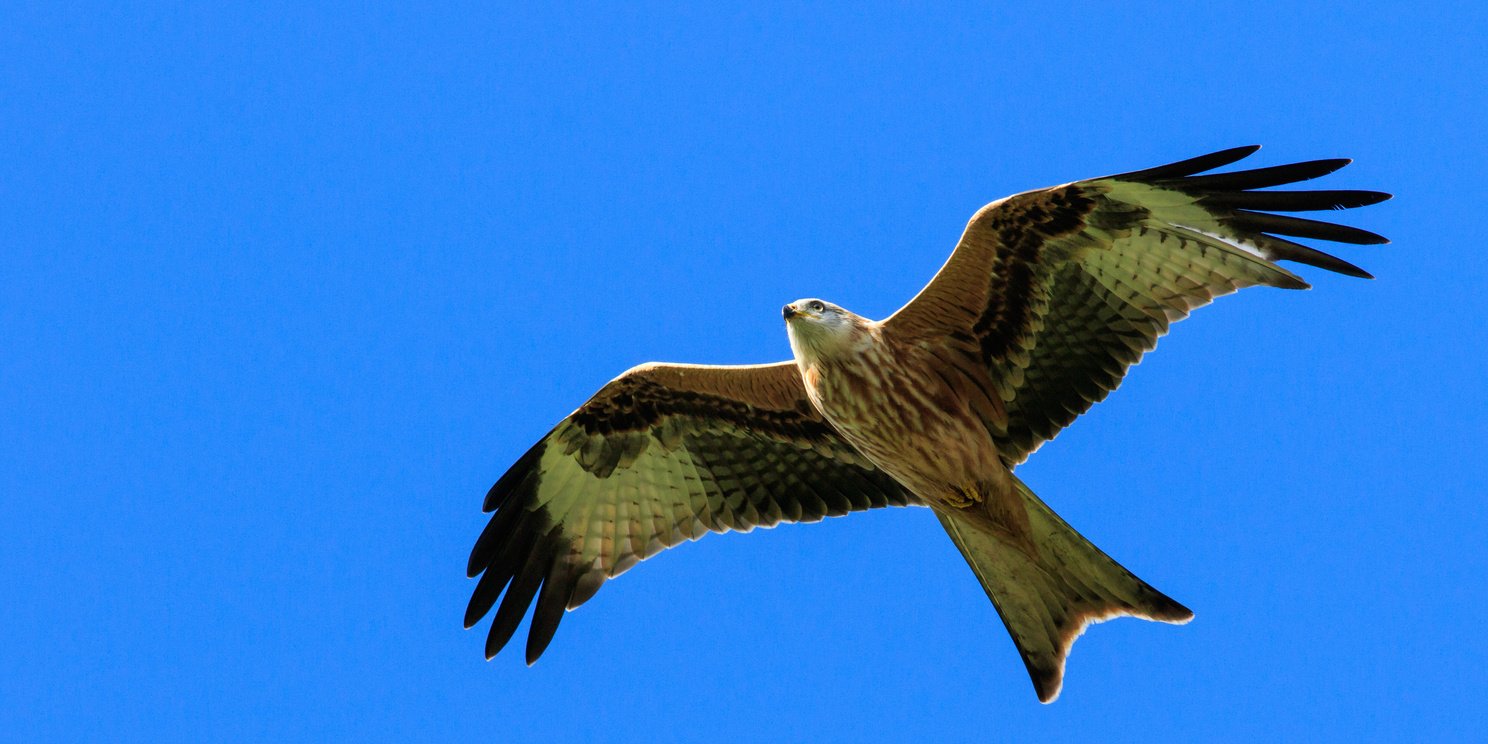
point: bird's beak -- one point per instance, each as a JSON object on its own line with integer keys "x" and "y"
{"x": 789, "y": 312}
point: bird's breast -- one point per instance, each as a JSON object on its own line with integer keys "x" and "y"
{"x": 904, "y": 416}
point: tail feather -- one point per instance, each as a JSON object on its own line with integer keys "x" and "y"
{"x": 1046, "y": 597}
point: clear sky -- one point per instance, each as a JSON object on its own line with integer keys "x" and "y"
{"x": 283, "y": 289}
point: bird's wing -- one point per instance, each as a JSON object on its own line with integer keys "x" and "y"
{"x": 661, "y": 454}
{"x": 1052, "y": 294}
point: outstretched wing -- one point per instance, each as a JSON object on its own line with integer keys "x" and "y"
{"x": 661, "y": 454}
{"x": 1056, "y": 292}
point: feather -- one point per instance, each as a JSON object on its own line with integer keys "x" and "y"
{"x": 1258, "y": 178}
{"x": 1260, "y": 222}
{"x": 1190, "y": 166}
{"x": 1292, "y": 201}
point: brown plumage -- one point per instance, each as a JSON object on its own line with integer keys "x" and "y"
{"x": 1048, "y": 298}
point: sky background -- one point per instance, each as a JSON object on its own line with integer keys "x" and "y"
{"x": 284, "y": 288}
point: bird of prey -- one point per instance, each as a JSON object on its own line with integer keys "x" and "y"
{"x": 1047, "y": 299}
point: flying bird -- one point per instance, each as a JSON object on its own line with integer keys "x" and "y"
{"x": 1047, "y": 299}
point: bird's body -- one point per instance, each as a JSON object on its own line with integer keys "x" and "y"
{"x": 923, "y": 420}
{"x": 898, "y": 406}
{"x": 1050, "y": 296}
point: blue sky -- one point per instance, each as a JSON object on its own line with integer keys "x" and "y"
{"x": 284, "y": 288}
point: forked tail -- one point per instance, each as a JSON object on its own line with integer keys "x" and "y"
{"x": 1050, "y": 587}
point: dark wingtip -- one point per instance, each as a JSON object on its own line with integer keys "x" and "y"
{"x": 497, "y": 638}
{"x": 552, "y": 602}
{"x": 1277, "y": 248}
{"x": 1257, "y": 178}
{"x": 1333, "y": 165}
{"x": 1347, "y": 269}
{"x": 1368, "y": 198}
{"x": 1184, "y": 168}
{"x": 536, "y": 563}
{"x": 1246, "y": 221}
{"x": 515, "y": 476}
{"x": 1228, "y": 155}
{"x": 535, "y": 652}
{"x": 493, "y": 497}
{"x": 1225, "y": 157}
{"x": 1369, "y": 238}
{"x": 1291, "y": 201}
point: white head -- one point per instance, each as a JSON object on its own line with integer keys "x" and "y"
{"x": 818, "y": 329}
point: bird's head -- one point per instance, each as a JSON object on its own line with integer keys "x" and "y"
{"x": 819, "y": 329}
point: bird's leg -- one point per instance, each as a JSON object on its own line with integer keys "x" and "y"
{"x": 996, "y": 505}
{"x": 964, "y": 496}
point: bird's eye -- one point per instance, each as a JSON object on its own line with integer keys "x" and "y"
{"x": 818, "y": 307}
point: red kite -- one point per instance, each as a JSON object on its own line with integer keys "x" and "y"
{"x": 1046, "y": 301}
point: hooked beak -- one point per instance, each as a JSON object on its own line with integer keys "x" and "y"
{"x": 789, "y": 312}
